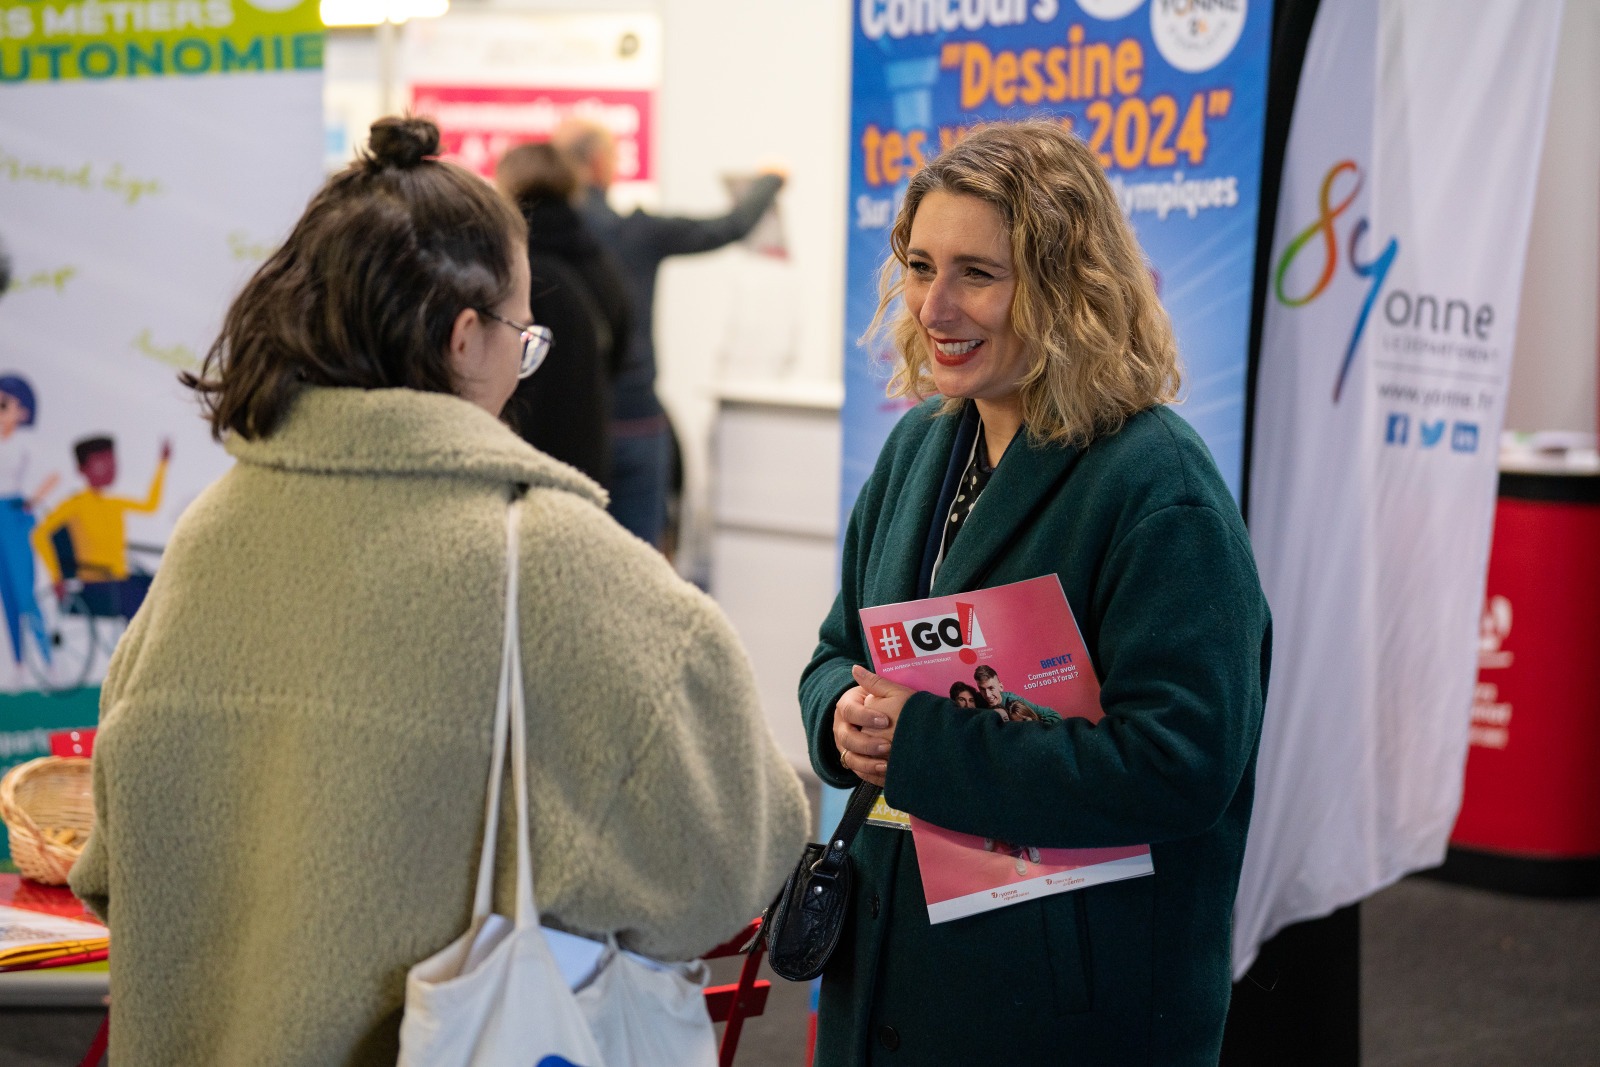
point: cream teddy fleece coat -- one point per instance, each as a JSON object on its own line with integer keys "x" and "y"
{"x": 294, "y": 737}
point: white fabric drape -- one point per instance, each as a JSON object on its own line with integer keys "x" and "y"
{"x": 1386, "y": 352}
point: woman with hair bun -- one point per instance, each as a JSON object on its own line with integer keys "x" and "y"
{"x": 295, "y": 730}
{"x": 1029, "y": 321}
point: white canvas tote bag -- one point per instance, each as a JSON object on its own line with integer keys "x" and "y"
{"x": 649, "y": 1014}
{"x": 495, "y": 996}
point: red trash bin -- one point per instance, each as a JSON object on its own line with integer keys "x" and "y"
{"x": 1530, "y": 810}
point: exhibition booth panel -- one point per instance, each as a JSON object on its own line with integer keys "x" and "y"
{"x": 1530, "y": 812}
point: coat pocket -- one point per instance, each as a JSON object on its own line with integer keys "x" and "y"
{"x": 1028, "y": 961}
{"x": 1119, "y": 945}
{"x": 1066, "y": 939}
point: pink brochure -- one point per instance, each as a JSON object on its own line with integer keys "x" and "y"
{"x": 1019, "y": 650}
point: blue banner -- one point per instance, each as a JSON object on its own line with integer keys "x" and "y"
{"x": 1170, "y": 94}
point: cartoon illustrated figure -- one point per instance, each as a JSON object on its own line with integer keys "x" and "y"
{"x": 18, "y": 409}
{"x": 96, "y": 538}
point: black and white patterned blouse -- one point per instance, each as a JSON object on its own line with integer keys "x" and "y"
{"x": 973, "y": 480}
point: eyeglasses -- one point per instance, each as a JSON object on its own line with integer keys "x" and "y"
{"x": 535, "y": 342}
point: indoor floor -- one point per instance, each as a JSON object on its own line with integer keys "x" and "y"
{"x": 1451, "y": 977}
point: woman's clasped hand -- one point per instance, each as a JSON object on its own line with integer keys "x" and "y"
{"x": 863, "y": 724}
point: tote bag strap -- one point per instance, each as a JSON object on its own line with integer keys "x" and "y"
{"x": 509, "y": 718}
{"x": 527, "y": 911}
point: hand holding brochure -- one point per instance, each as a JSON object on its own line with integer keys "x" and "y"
{"x": 1017, "y": 647}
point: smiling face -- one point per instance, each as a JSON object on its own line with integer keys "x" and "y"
{"x": 992, "y": 693}
{"x": 959, "y": 283}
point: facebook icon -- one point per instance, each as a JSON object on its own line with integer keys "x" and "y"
{"x": 1399, "y": 428}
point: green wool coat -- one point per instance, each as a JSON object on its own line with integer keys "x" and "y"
{"x": 294, "y": 737}
{"x": 1156, "y": 565}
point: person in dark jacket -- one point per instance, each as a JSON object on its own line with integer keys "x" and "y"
{"x": 565, "y": 409}
{"x": 1031, "y": 323}
{"x": 641, "y": 436}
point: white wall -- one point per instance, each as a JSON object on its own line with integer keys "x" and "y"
{"x": 352, "y": 93}
{"x": 745, "y": 80}
{"x": 1558, "y": 329}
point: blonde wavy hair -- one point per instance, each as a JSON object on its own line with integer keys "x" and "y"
{"x": 1100, "y": 343}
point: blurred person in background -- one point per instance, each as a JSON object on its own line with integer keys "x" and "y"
{"x": 641, "y": 437}
{"x": 565, "y": 409}
{"x": 295, "y": 730}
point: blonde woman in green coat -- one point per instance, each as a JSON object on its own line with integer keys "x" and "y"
{"x": 1029, "y": 311}
{"x": 295, "y": 731}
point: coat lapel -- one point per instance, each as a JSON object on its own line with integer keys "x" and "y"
{"x": 1027, "y": 479}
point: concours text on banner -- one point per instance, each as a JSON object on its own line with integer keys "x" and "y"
{"x": 1172, "y": 103}
{"x": 1386, "y": 352}
{"x": 152, "y": 154}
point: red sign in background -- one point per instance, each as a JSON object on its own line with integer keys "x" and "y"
{"x": 477, "y": 124}
{"x": 1531, "y": 787}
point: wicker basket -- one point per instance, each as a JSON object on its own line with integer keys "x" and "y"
{"x": 41, "y": 798}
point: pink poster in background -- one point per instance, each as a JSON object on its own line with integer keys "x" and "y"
{"x": 1017, "y": 647}
{"x": 477, "y": 124}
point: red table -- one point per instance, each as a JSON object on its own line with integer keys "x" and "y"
{"x": 20, "y": 892}
{"x": 731, "y": 1004}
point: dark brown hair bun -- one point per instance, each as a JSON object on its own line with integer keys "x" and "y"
{"x": 402, "y": 141}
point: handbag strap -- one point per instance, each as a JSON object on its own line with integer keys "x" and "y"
{"x": 856, "y": 810}
{"x": 510, "y": 717}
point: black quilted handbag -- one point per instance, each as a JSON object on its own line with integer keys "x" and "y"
{"x": 802, "y": 927}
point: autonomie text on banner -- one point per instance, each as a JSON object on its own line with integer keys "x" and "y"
{"x": 1124, "y": 128}
{"x": 100, "y": 39}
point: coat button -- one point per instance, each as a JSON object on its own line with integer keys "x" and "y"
{"x": 873, "y": 904}
{"x": 889, "y": 1037}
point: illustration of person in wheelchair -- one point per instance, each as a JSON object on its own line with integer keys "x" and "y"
{"x": 84, "y": 547}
